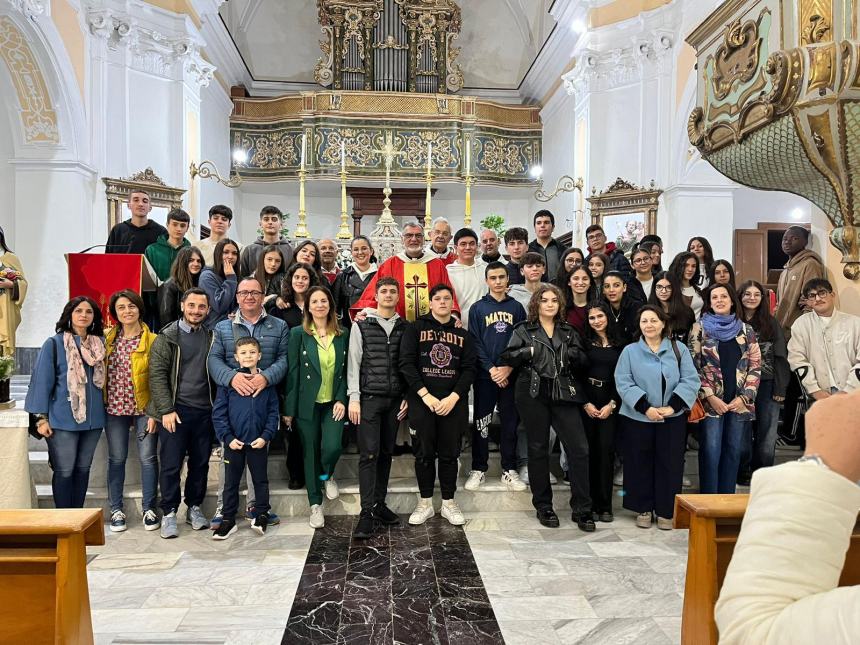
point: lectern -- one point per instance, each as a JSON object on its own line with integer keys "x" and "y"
{"x": 99, "y": 275}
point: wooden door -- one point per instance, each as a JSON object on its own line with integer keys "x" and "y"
{"x": 750, "y": 255}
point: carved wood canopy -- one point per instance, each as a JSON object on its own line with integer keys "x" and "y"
{"x": 405, "y": 202}
{"x": 160, "y": 194}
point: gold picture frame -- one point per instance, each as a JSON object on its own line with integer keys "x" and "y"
{"x": 625, "y": 212}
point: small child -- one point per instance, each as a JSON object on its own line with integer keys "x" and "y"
{"x": 245, "y": 425}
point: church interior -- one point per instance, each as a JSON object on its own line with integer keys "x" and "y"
{"x": 730, "y": 121}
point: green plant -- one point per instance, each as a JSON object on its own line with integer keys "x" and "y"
{"x": 7, "y": 367}
{"x": 494, "y": 223}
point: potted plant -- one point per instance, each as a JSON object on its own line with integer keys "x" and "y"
{"x": 7, "y": 366}
{"x": 494, "y": 223}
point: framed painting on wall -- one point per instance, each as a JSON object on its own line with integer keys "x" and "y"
{"x": 625, "y": 212}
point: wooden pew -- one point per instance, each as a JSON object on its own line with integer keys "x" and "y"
{"x": 714, "y": 522}
{"x": 44, "y": 596}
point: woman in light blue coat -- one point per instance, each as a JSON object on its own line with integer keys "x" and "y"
{"x": 658, "y": 384}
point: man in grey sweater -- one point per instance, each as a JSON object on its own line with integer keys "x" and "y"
{"x": 376, "y": 404}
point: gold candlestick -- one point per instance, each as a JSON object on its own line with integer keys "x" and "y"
{"x": 301, "y": 228}
{"x": 428, "y": 217}
{"x": 467, "y": 218}
{"x": 343, "y": 233}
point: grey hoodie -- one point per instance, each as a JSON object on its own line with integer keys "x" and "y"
{"x": 356, "y": 351}
{"x": 521, "y": 294}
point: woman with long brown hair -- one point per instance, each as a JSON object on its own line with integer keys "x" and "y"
{"x": 184, "y": 275}
{"x": 316, "y": 394}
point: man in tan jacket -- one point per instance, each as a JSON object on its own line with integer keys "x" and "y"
{"x": 803, "y": 266}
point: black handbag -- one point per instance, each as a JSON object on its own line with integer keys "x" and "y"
{"x": 566, "y": 390}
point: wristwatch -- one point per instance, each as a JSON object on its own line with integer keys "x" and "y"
{"x": 612, "y": 405}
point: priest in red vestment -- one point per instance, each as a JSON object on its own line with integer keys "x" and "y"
{"x": 416, "y": 270}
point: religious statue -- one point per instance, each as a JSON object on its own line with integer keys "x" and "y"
{"x": 13, "y": 290}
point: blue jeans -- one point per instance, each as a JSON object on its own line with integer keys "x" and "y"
{"x": 71, "y": 454}
{"x": 116, "y": 430}
{"x": 721, "y": 441}
{"x": 759, "y": 449}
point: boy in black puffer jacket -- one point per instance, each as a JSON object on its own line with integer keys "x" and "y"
{"x": 245, "y": 425}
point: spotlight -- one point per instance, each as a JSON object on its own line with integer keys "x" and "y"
{"x": 536, "y": 172}
{"x": 240, "y": 156}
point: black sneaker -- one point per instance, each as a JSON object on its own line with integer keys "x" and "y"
{"x": 584, "y": 522}
{"x": 385, "y": 515}
{"x": 605, "y": 516}
{"x": 364, "y": 528}
{"x": 295, "y": 484}
{"x": 260, "y": 522}
{"x": 225, "y": 530}
{"x": 547, "y": 517}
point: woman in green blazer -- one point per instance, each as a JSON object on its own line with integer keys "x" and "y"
{"x": 316, "y": 394}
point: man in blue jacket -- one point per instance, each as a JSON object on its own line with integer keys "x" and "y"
{"x": 245, "y": 425}
{"x": 272, "y": 334}
{"x": 491, "y": 323}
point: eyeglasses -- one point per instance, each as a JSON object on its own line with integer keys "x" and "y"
{"x": 594, "y": 236}
{"x": 641, "y": 260}
{"x": 663, "y": 287}
{"x": 413, "y": 236}
{"x": 249, "y": 294}
{"x": 816, "y": 295}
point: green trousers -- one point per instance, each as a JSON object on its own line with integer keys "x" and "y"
{"x": 321, "y": 444}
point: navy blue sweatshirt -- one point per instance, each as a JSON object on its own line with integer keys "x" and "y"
{"x": 440, "y": 357}
{"x": 245, "y": 418}
{"x": 491, "y": 324}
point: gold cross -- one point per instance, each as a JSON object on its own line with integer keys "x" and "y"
{"x": 390, "y": 152}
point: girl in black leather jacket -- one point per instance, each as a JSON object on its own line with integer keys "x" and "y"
{"x": 548, "y": 392}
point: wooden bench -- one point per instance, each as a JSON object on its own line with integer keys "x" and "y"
{"x": 714, "y": 522}
{"x": 44, "y": 596}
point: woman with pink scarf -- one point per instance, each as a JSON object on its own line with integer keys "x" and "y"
{"x": 65, "y": 397}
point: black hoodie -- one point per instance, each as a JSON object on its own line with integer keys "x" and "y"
{"x": 440, "y": 357}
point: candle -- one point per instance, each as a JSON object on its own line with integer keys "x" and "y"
{"x": 343, "y": 156}
{"x": 429, "y": 157}
{"x": 468, "y": 155}
{"x": 303, "y": 152}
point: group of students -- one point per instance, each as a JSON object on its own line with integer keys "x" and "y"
{"x": 607, "y": 355}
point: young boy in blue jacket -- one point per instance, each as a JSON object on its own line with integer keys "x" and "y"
{"x": 491, "y": 323}
{"x": 245, "y": 425}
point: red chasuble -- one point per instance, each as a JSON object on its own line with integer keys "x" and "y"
{"x": 416, "y": 278}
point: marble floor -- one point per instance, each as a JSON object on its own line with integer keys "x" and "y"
{"x": 620, "y": 584}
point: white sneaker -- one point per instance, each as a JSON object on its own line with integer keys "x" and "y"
{"x": 331, "y": 489}
{"x": 451, "y": 512}
{"x": 552, "y": 480}
{"x": 511, "y": 479}
{"x": 618, "y": 477}
{"x": 686, "y": 483}
{"x": 476, "y": 478}
{"x": 317, "y": 520}
{"x": 423, "y": 511}
{"x": 524, "y": 475}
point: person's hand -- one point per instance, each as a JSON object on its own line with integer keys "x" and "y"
{"x": 666, "y": 411}
{"x": 270, "y": 297}
{"x": 288, "y": 421}
{"x": 228, "y": 267}
{"x": 653, "y": 414}
{"x": 243, "y": 384}
{"x": 833, "y": 433}
{"x": 500, "y": 375}
{"x": 777, "y": 398}
{"x": 338, "y": 411}
{"x": 258, "y": 443}
{"x": 591, "y": 410}
{"x": 259, "y": 383}
{"x": 355, "y": 412}
{"x": 430, "y": 401}
{"x": 170, "y": 420}
{"x": 503, "y": 384}
{"x": 447, "y": 404}
{"x": 820, "y": 395}
{"x": 151, "y": 425}
{"x": 737, "y": 405}
{"x": 280, "y": 303}
{"x": 458, "y": 324}
{"x": 236, "y": 445}
{"x": 718, "y": 405}
{"x": 6, "y": 284}
{"x": 605, "y": 411}
{"x": 44, "y": 428}
{"x": 404, "y": 407}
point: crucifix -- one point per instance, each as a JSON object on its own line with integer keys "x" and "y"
{"x": 390, "y": 152}
{"x": 415, "y": 287}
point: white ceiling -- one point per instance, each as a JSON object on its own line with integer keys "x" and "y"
{"x": 500, "y": 39}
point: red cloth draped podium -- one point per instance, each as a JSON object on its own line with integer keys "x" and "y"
{"x": 100, "y": 275}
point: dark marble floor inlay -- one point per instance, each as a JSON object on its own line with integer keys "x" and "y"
{"x": 407, "y": 585}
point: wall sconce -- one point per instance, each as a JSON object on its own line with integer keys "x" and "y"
{"x": 207, "y": 170}
{"x": 566, "y": 184}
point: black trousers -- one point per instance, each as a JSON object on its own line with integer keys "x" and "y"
{"x": 295, "y": 454}
{"x": 192, "y": 438}
{"x": 601, "y": 440}
{"x": 437, "y": 439}
{"x": 234, "y": 465}
{"x": 376, "y": 435}
{"x": 538, "y": 415}
{"x": 487, "y": 396}
{"x": 653, "y": 464}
